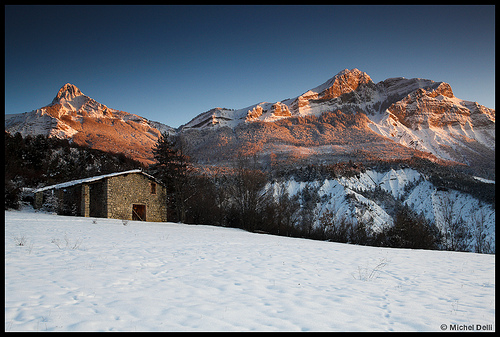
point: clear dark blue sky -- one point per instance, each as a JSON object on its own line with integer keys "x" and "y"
{"x": 170, "y": 63}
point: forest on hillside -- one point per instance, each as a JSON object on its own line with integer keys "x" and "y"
{"x": 37, "y": 161}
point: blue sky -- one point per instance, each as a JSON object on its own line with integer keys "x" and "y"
{"x": 171, "y": 63}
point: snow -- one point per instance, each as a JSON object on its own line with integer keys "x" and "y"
{"x": 88, "y": 180}
{"x": 485, "y": 180}
{"x": 392, "y": 181}
{"x": 404, "y": 184}
{"x": 88, "y": 274}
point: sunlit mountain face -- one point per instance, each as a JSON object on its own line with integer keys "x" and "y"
{"x": 75, "y": 116}
{"x": 348, "y": 117}
{"x": 351, "y": 117}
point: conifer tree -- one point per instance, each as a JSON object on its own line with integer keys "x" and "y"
{"x": 172, "y": 169}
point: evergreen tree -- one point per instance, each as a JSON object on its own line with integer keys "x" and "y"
{"x": 411, "y": 230}
{"x": 172, "y": 169}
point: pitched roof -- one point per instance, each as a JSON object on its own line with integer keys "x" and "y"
{"x": 92, "y": 179}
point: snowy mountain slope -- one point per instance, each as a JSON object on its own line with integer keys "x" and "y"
{"x": 74, "y": 274}
{"x": 329, "y": 138}
{"x": 73, "y": 115}
{"x": 344, "y": 198}
{"x": 416, "y": 113}
{"x": 434, "y": 121}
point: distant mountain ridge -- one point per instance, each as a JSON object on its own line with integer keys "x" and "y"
{"x": 417, "y": 114}
{"x": 348, "y": 116}
{"x": 73, "y": 115}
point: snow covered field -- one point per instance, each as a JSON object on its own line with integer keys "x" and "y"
{"x": 71, "y": 274}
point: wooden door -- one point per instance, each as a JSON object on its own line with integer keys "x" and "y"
{"x": 139, "y": 212}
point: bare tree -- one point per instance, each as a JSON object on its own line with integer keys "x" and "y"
{"x": 480, "y": 233}
{"x": 286, "y": 209}
{"x": 457, "y": 235}
{"x": 246, "y": 194}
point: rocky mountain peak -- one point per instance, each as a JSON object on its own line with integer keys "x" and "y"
{"x": 355, "y": 73}
{"x": 443, "y": 89}
{"x": 342, "y": 83}
{"x": 67, "y": 92}
{"x": 75, "y": 116}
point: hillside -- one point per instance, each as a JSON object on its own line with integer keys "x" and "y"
{"x": 373, "y": 197}
{"x": 85, "y": 274}
{"x": 35, "y": 161}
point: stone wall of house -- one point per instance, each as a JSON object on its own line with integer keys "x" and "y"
{"x": 98, "y": 196}
{"x": 124, "y": 191}
{"x": 111, "y": 197}
{"x": 85, "y": 201}
{"x": 38, "y": 202}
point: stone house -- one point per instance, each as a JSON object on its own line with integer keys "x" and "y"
{"x": 129, "y": 195}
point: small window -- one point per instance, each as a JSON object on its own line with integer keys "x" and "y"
{"x": 153, "y": 188}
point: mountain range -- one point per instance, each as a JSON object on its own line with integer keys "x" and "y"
{"x": 347, "y": 117}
